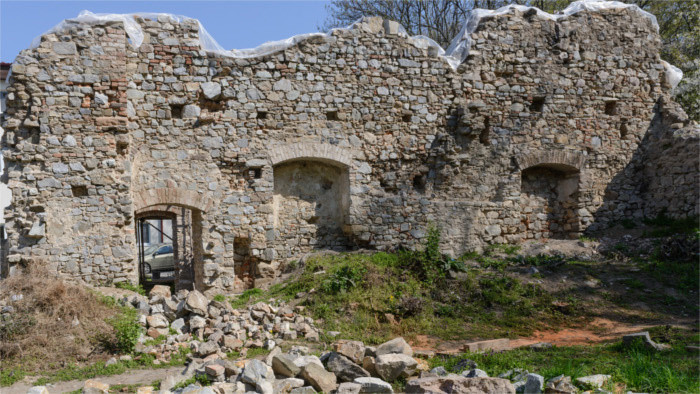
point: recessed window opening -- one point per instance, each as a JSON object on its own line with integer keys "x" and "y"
{"x": 537, "y": 104}
{"x": 623, "y": 130}
{"x": 332, "y": 115}
{"x": 256, "y": 173}
{"x": 79, "y": 191}
{"x": 176, "y": 111}
{"x": 486, "y": 132}
{"x": 611, "y": 108}
{"x": 35, "y": 136}
{"x": 122, "y": 147}
{"x": 419, "y": 183}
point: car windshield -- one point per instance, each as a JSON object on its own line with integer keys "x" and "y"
{"x": 165, "y": 249}
{"x": 151, "y": 249}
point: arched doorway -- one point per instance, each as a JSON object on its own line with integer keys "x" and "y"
{"x": 168, "y": 242}
{"x": 549, "y": 202}
{"x": 311, "y": 203}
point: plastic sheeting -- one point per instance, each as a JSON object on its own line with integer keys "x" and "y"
{"x": 673, "y": 74}
{"x": 461, "y": 44}
{"x": 455, "y": 54}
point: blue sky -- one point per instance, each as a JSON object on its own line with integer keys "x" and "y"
{"x": 234, "y": 24}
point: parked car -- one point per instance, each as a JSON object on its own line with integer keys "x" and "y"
{"x": 159, "y": 261}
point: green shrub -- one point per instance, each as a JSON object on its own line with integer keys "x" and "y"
{"x": 126, "y": 330}
{"x": 429, "y": 264}
{"x": 343, "y": 279}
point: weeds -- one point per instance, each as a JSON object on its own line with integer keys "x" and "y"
{"x": 343, "y": 278}
{"x": 257, "y": 351}
{"x": 246, "y": 296}
{"x": 53, "y": 323}
{"x": 201, "y": 379}
{"x": 128, "y": 286}
{"x": 220, "y": 298}
{"x": 11, "y": 376}
{"x": 13, "y": 324}
{"x": 75, "y": 372}
{"x": 665, "y": 225}
{"x": 126, "y": 331}
{"x": 429, "y": 265}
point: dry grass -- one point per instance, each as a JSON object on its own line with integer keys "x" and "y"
{"x": 54, "y": 324}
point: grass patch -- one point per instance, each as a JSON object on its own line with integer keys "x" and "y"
{"x": 664, "y": 225}
{"x": 641, "y": 370}
{"x": 143, "y": 361}
{"x": 126, "y": 331}
{"x": 220, "y": 298}
{"x": 683, "y": 275}
{"x": 257, "y": 351}
{"x": 202, "y": 380}
{"x": 379, "y": 296}
{"x": 129, "y": 286}
{"x": 245, "y": 297}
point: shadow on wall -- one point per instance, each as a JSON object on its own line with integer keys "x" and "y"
{"x": 311, "y": 203}
{"x": 549, "y": 202}
{"x": 661, "y": 176}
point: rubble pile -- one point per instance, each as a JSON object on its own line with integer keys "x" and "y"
{"x": 188, "y": 318}
{"x": 351, "y": 367}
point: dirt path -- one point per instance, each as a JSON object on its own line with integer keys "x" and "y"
{"x": 139, "y": 376}
{"x": 597, "y": 331}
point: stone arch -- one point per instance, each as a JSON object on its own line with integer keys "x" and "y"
{"x": 172, "y": 196}
{"x": 331, "y": 154}
{"x": 559, "y": 159}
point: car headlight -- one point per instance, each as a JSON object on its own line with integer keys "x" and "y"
{"x": 147, "y": 268}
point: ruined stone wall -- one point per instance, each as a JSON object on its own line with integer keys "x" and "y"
{"x": 670, "y": 166}
{"x": 357, "y": 139}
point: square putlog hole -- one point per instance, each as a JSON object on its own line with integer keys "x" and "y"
{"x": 332, "y": 115}
{"x": 79, "y": 191}
{"x": 537, "y": 104}
{"x": 611, "y": 108}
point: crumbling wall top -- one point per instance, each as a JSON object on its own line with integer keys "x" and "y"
{"x": 455, "y": 54}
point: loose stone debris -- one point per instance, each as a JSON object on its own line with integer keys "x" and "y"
{"x": 212, "y": 328}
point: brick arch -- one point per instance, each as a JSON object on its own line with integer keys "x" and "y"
{"x": 172, "y": 196}
{"x": 562, "y": 160}
{"x": 311, "y": 151}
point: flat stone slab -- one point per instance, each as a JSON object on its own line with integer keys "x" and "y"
{"x": 491, "y": 344}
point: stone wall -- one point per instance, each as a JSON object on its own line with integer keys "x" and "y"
{"x": 357, "y": 139}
